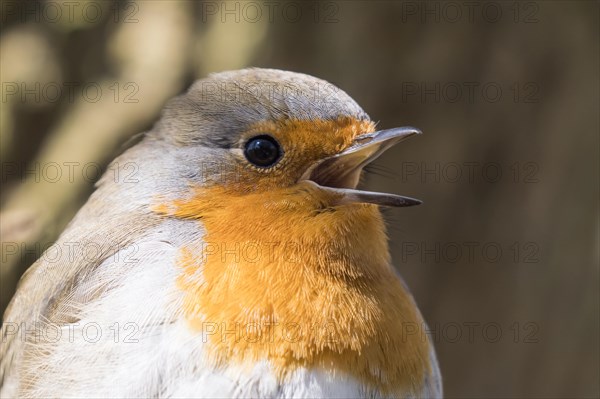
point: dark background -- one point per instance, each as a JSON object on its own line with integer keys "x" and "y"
{"x": 503, "y": 255}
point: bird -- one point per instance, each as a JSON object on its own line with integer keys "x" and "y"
{"x": 228, "y": 253}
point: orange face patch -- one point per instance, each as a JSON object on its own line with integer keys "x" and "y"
{"x": 303, "y": 143}
{"x": 289, "y": 278}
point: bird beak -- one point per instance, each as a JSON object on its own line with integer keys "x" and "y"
{"x": 340, "y": 173}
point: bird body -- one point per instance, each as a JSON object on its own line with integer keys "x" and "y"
{"x": 240, "y": 262}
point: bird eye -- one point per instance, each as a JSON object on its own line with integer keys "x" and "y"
{"x": 263, "y": 151}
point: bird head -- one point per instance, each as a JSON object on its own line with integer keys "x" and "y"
{"x": 271, "y": 134}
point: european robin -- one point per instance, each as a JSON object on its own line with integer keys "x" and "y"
{"x": 228, "y": 254}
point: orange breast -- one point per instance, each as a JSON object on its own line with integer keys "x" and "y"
{"x": 292, "y": 281}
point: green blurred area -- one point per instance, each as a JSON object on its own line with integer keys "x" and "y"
{"x": 502, "y": 257}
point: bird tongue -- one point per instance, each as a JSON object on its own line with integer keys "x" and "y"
{"x": 339, "y": 174}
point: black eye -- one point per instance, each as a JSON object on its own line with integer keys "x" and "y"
{"x": 262, "y": 151}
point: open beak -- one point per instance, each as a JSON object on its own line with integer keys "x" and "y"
{"x": 340, "y": 173}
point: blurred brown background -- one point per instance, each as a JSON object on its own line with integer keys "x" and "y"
{"x": 503, "y": 255}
